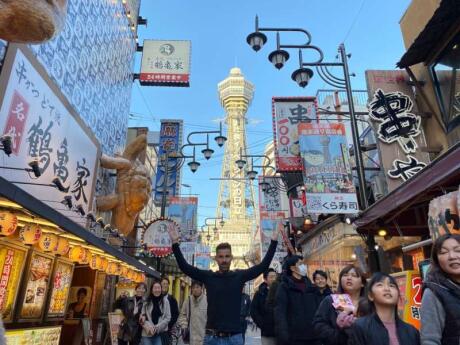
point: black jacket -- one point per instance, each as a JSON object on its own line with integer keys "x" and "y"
{"x": 325, "y": 324}
{"x": 261, "y": 313}
{"x": 326, "y": 292}
{"x": 370, "y": 330}
{"x": 174, "y": 311}
{"x": 294, "y": 311}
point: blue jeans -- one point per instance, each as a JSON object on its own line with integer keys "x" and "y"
{"x": 155, "y": 340}
{"x": 236, "y": 339}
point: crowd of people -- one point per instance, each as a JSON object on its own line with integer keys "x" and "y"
{"x": 292, "y": 309}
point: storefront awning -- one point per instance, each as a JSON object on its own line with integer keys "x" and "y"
{"x": 19, "y": 196}
{"x": 444, "y": 20}
{"x": 406, "y": 208}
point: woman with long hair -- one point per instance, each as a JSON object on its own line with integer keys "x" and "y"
{"x": 156, "y": 315}
{"x": 383, "y": 326}
{"x": 336, "y": 313}
{"x": 440, "y": 312}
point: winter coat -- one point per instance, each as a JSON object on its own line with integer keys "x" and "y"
{"x": 294, "y": 311}
{"x": 162, "y": 325}
{"x": 441, "y": 312}
{"x": 130, "y": 329}
{"x": 174, "y": 307}
{"x": 198, "y": 316}
{"x": 326, "y": 292}
{"x": 325, "y": 324}
{"x": 261, "y": 313}
{"x": 371, "y": 330}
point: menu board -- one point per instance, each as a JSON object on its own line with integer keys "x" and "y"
{"x": 37, "y": 286}
{"x": 34, "y": 336}
{"x": 114, "y": 326}
{"x": 12, "y": 260}
{"x": 62, "y": 278}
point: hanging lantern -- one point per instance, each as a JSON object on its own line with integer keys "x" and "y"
{"x": 95, "y": 262}
{"x": 130, "y": 274}
{"x": 138, "y": 277}
{"x": 62, "y": 246}
{"x": 8, "y": 223}
{"x": 104, "y": 264}
{"x": 142, "y": 278}
{"x": 47, "y": 242}
{"x": 77, "y": 253}
{"x": 86, "y": 257}
{"x": 111, "y": 268}
{"x": 124, "y": 271}
{"x": 30, "y": 234}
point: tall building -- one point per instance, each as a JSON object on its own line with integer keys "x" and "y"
{"x": 236, "y": 194}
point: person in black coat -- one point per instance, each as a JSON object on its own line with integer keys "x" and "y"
{"x": 296, "y": 302}
{"x": 261, "y": 313}
{"x": 172, "y": 303}
{"x": 331, "y": 324}
{"x": 383, "y": 326}
{"x": 320, "y": 280}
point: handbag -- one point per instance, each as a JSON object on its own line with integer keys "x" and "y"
{"x": 186, "y": 331}
{"x": 165, "y": 338}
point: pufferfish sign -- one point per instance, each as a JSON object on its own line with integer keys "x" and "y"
{"x": 31, "y": 21}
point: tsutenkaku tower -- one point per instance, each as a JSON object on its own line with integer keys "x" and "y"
{"x": 236, "y": 195}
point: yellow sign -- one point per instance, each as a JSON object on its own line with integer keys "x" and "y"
{"x": 410, "y": 287}
{"x": 34, "y": 336}
{"x": 60, "y": 288}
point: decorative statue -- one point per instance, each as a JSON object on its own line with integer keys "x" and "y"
{"x": 31, "y": 21}
{"x": 133, "y": 187}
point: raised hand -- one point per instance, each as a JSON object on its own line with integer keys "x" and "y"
{"x": 276, "y": 232}
{"x": 173, "y": 234}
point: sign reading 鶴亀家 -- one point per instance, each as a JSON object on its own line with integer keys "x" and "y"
{"x": 394, "y": 118}
{"x": 170, "y": 143}
{"x": 165, "y": 63}
{"x": 288, "y": 113}
{"x": 45, "y": 130}
{"x": 327, "y": 175}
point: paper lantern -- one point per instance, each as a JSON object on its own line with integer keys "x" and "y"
{"x": 8, "y": 223}
{"x": 47, "y": 242}
{"x": 104, "y": 264}
{"x": 112, "y": 268}
{"x": 30, "y": 234}
{"x": 62, "y": 246}
{"x": 138, "y": 277}
{"x": 130, "y": 275}
{"x": 124, "y": 271}
{"x": 86, "y": 258}
{"x": 77, "y": 253}
{"x": 142, "y": 278}
{"x": 95, "y": 262}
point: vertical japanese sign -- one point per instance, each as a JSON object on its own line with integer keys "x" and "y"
{"x": 394, "y": 118}
{"x": 410, "y": 287}
{"x": 269, "y": 222}
{"x": 184, "y": 211}
{"x": 170, "y": 144}
{"x": 45, "y": 129}
{"x": 165, "y": 63}
{"x": 327, "y": 176}
{"x": 270, "y": 198}
{"x": 288, "y": 113}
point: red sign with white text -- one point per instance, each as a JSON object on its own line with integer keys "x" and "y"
{"x": 15, "y": 123}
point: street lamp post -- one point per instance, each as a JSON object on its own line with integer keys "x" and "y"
{"x": 303, "y": 75}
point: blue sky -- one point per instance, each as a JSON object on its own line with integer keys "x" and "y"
{"x": 218, "y": 30}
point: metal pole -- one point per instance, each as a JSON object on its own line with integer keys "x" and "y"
{"x": 354, "y": 130}
{"x": 165, "y": 185}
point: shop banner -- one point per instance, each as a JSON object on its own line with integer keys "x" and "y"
{"x": 410, "y": 287}
{"x": 188, "y": 250}
{"x": 12, "y": 261}
{"x": 270, "y": 199}
{"x": 288, "y": 113}
{"x": 62, "y": 278}
{"x": 45, "y": 130}
{"x": 202, "y": 256}
{"x": 327, "y": 174}
{"x": 443, "y": 215}
{"x": 34, "y": 336}
{"x": 165, "y": 63}
{"x": 395, "y": 120}
{"x": 269, "y": 222}
{"x": 184, "y": 211}
{"x": 156, "y": 237}
{"x": 297, "y": 208}
{"x": 170, "y": 144}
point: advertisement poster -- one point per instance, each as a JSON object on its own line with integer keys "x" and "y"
{"x": 327, "y": 174}
{"x": 11, "y": 269}
{"x": 443, "y": 215}
{"x": 202, "y": 256}
{"x": 34, "y": 336}
{"x": 288, "y": 113}
{"x": 156, "y": 237}
{"x": 188, "y": 250}
{"x": 270, "y": 198}
{"x": 394, "y": 117}
{"x": 410, "y": 287}
{"x": 37, "y": 286}
{"x": 183, "y": 211}
{"x": 114, "y": 326}
{"x": 60, "y": 288}
{"x": 166, "y": 63}
{"x": 269, "y": 222}
{"x": 170, "y": 143}
{"x": 45, "y": 129}
{"x": 79, "y": 302}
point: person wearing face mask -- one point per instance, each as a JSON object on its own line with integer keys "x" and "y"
{"x": 296, "y": 302}
{"x": 383, "y": 326}
{"x": 440, "y": 312}
{"x": 336, "y": 312}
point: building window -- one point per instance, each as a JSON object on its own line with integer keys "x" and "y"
{"x": 446, "y": 77}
